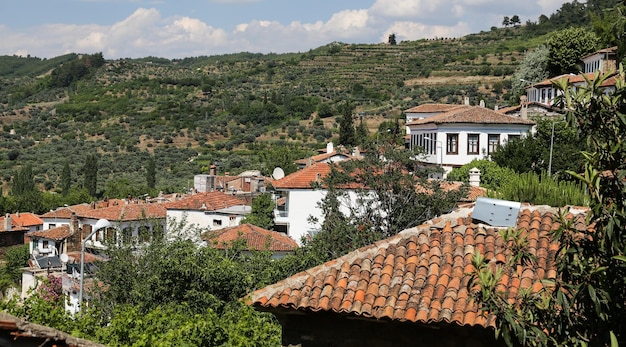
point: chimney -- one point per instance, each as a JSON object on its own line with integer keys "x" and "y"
{"x": 212, "y": 170}
{"x": 482, "y": 103}
{"x": 73, "y": 223}
{"x": 329, "y": 147}
{"x": 523, "y": 107}
{"x": 466, "y": 100}
{"x": 474, "y": 177}
{"x": 7, "y": 222}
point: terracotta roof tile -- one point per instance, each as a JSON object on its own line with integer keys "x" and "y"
{"x": 472, "y": 114}
{"x": 209, "y": 201}
{"x": 256, "y": 238}
{"x": 59, "y": 233}
{"x": 126, "y": 212}
{"x": 24, "y": 219}
{"x": 303, "y": 178}
{"x": 431, "y": 108}
{"x": 321, "y": 157}
{"x": 420, "y": 275}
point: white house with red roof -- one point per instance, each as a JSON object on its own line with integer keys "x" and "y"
{"x": 600, "y": 62}
{"x": 208, "y": 211}
{"x": 330, "y": 155}
{"x": 461, "y": 134}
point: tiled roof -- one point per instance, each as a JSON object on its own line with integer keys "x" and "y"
{"x": 610, "y": 50}
{"x": 24, "y": 219}
{"x": 209, "y": 201}
{"x": 321, "y": 157}
{"x": 572, "y": 79}
{"x": 66, "y": 212}
{"x": 472, "y": 193}
{"x": 420, "y": 275}
{"x": 59, "y": 233}
{"x": 303, "y": 178}
{"x": 472, "y": 114}
{"x": 126, "y": 212}
{"x": 256, "y": 238}
{"x": 430, "y": 108}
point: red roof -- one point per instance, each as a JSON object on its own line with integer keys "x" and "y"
{"x": 420, "y": 275}
{"x": 572, "y": 79}
{"x": 23, "y": 219}
{"x": 256, "y": 238}
{"x": 303, "y": 178}
{"x": 126, "y": 212}
{"x": 321, "y": 157}
{"x": 209, "y": 201}
{"x": 431, "y": 108}
{"x": 59, "y": 233}
{"x": 472, "y": 114}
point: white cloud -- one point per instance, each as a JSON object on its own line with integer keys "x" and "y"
{"x": 147, "y": 32}
{"x": 415, "y": 31}
{"x": 405, "y": 8}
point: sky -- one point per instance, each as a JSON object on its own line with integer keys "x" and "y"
{"x": 189, "y": 28}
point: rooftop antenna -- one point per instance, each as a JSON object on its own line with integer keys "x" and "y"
{"x": 278, "y": 173}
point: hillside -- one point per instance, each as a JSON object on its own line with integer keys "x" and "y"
{"x": 241, "y": 111}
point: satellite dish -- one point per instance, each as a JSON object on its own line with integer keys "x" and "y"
{"x": 278, "y": 173}
{"x": 64, "y": 257}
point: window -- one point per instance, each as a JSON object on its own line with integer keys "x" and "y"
{"x": 493, "y": 142}
{"x": 217, "y": 222}
{"x": 427, "y": 141}
{"x": 46, "y": 244}
{"x": 127, "y": 235}
{"x": 452, "y": 144}
{"x": 472, "y": 143}
{"x": 514, "y": 138}
{"x": 52, "y": 225}
{"x": 145, "y": 234}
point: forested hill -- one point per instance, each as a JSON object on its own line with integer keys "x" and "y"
{"x": 241, "y": 111}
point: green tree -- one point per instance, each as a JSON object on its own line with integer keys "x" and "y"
{"x": 515, "y": 21}
{"x": 392, "y": 39}
{"x": 492, "y": 175}
{"x": 15, "y": 258}
{"x": 532, "y": 153}
{"x": 262, "y": 213}
{"x": 23, "y": 181}
{"x": 362, "y": 134}
{"x": 346, "y": 126}
{"x": 151, "y": 173}
{"x": 66, "y": 179}
{"x": 90, "y": 174}
{"x": 567, "y": 47}
{"x": 506, "y": 21}
{"x": 391, "y": 195}
{"x": 532, "y": 69}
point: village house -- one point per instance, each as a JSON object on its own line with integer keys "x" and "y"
{"x": 11, "y": 235}
{"x": 298, "y": 214}
{"x": 454, "y": 136}
{"x": 602, "y": 62}
{"x": 329, "y": 155}
{"x": 254, "y": 238}
{"x": 414, "y": 286}
{"x": 209, "y": 210}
